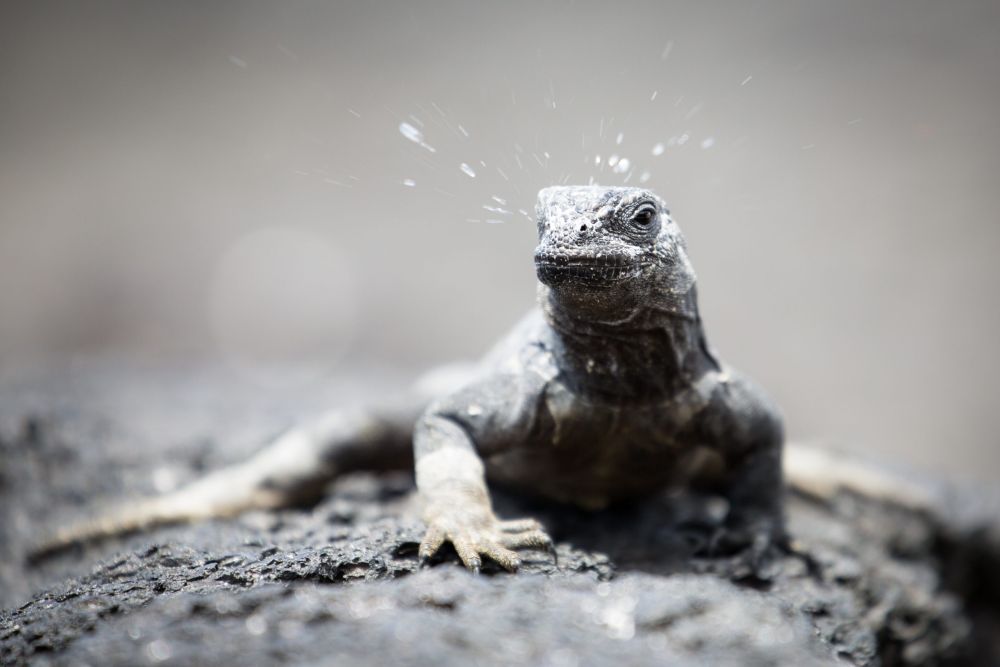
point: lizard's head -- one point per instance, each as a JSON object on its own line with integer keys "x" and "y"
{"x": 609, "y": 247}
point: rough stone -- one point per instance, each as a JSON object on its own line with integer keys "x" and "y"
{"x": 340, "y": 583}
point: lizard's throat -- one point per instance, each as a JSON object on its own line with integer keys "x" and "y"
{"x": 645, "y": 354}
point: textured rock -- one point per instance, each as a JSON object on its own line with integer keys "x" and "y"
{"x": 340, "y": 583}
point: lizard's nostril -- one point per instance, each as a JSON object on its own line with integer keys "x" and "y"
{"x": 583, "y": 228}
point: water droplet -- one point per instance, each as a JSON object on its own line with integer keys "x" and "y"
{"x": 493, "y": 221}
{"x": 414, "y": 135}
{"x": 707, "y": 143}
{"x": 597, "y": 160}
{"x": 652, "y": 97}
{"x": 620, "y": 138}
{"x": 683, "y": 139}
{"x": 463, "y": 131}
{"x": 239, "y": 62}
{"x": 622, "y": 166}
{"x": 409, "y": 182}
{"x": 499, "y": 200}
{"x": 496, "y": 209}
{"x": 666, "y": 50}
{"x": 659, "y": 148}
{"x": 746, "y": 80}
{"x": 694, "y": 111}
{"x": 644, "y": 176}
{"x": 613, "y": 160}
{"x": 467, "y": 169}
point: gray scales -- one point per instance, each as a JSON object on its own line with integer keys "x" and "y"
{"x": 607, "y": 393}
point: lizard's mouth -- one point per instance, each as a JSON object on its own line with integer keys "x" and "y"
{"x": 556, "y": 269}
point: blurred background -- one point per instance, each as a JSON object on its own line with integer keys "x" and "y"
{"x": 341, "y": 186}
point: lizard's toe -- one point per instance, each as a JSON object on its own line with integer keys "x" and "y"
{"x": 433, "y": 539}
{"x": 755, "y": 542}
{"x": 468, "y": 552}
{"x": 507, "y": 559}
{"x": 519, "y": 525}
{"x": 529, "y": 539}
{"x": 471, "y": 549}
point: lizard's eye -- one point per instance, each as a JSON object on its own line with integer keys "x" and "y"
{"x": 644, "y": 215}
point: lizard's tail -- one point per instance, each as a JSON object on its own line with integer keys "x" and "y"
{"x": 823, "y": 473}
{"x": 292, "y": 471}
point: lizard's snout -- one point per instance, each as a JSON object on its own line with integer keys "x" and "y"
{"x": 560, "y": 266}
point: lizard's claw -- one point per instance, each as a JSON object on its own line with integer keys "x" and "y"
{"x": 754, "y": 540}
{"x": 489, "y": 537}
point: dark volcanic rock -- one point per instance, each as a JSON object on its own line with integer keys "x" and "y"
{"x": 340, "y": 583}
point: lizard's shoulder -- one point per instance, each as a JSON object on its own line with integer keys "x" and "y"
{"x": 515, "y": 351}
{"x": 525, "y": 345}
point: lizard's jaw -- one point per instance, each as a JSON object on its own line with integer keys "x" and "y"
{"x": 584, "y": 270}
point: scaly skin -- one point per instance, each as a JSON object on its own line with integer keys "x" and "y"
{"x": 608, "y": 393}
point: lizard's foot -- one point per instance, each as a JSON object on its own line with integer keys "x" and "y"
{"x": 756, "y": 540}
{"x": 740, "y": 555}
{"x": 481, "y": 534}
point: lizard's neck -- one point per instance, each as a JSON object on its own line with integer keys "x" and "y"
{"x": 649, "y": 354}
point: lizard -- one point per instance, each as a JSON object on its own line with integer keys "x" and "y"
{"x": 607, "y": 392}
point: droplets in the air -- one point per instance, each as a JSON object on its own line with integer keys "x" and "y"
{"x": 658, "y": 149}
{"x": 409, "y": 182}
{"x": 707, "y": 143}
{"x": 467, "y": 170}
{"x": 415, "y": 135}
{"x": 621, "y": 166}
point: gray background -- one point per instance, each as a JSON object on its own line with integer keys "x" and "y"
{"x": 223, "y": 182}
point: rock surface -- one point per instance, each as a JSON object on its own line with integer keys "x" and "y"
{"x": 340, "y": 583}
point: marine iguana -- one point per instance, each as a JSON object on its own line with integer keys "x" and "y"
{"x": 607, "y": 392}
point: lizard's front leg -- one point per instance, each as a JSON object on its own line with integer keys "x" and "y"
{"x": 752, "y": 434}
{"x": 456, "y": 503}
{"x": 756, "y": 495}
